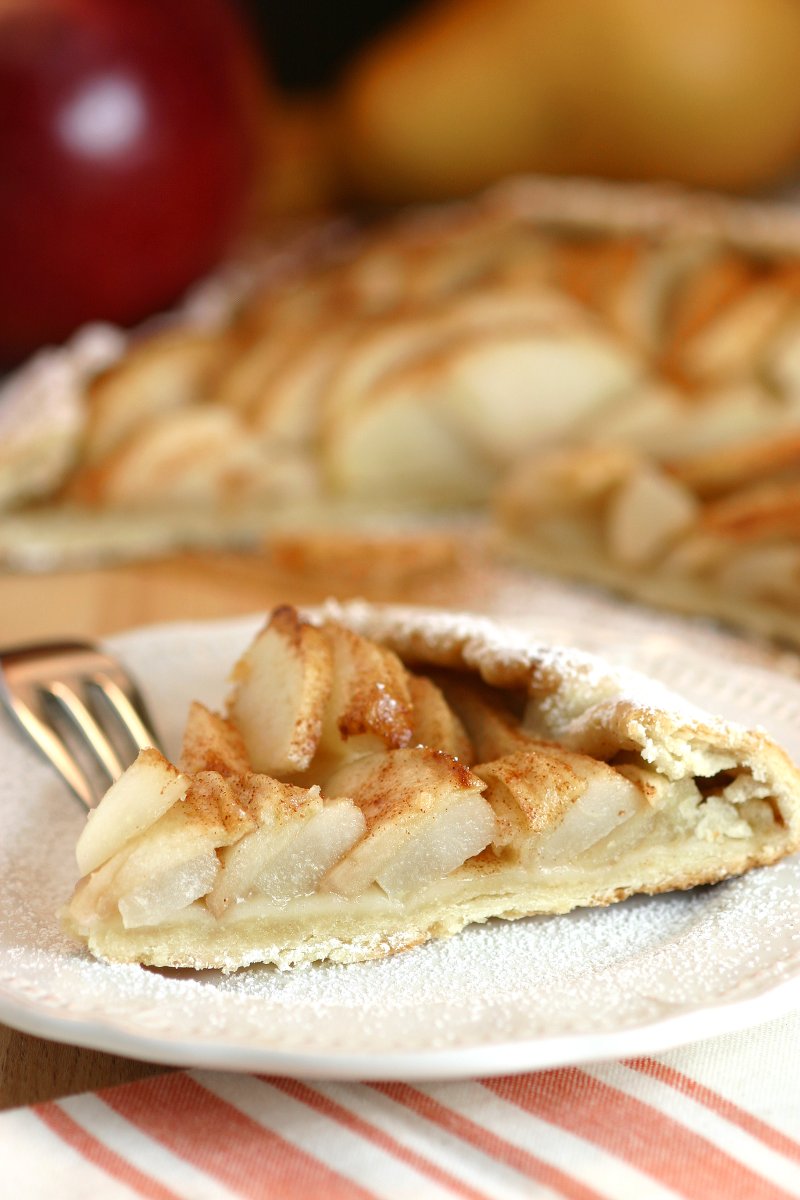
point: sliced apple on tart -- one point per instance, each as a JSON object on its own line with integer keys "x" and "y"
{"x": 384, "y": 777}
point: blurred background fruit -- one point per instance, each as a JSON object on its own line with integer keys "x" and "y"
{"x": 128, "y": 139}
{"x": 463, "y": 91}
{"x": 140, "y": 138}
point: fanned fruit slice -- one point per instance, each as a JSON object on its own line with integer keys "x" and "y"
{"x": 717, "y": 533}
{"x": 384, "y": 777}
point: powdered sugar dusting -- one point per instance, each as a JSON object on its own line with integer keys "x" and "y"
{"x": 559, "y": 989}
{"x": 572, "y": 689}
{"x": 487, "y": 642}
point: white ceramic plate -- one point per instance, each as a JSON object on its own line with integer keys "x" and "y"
{"x": 636, "y": 978}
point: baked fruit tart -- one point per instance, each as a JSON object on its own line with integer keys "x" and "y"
{"x": 716, "y": 533}
{"x": 411, "y": 363}
{"x": 381, "y": 778}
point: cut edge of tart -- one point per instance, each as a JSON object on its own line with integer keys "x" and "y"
{"x": 383, "y": 777}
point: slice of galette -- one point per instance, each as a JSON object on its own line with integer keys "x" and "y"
{"x": 383, "y": 777}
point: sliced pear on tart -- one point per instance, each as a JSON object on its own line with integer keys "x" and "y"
{"x": 717, "y": 533}
{"x": 444, "y": 772}
{"x": 425, "y": 816}
{"x": 282, "y": 686}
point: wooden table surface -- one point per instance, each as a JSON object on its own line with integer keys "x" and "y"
{"x": 92, "y": 603}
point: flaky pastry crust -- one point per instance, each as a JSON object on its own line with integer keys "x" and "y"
{"x": 547, "y": 742}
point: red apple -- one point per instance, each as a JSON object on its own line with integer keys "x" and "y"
{"x": 127, "y": 143}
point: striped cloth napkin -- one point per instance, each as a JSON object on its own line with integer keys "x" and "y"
{"x": 716, "y": 1121}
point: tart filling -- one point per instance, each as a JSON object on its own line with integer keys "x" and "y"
{"x": 379, "y": 780}
{"x": 716, "y": 533}
{"x": 414, "y": 360}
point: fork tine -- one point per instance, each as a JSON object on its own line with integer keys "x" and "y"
{"x": 79, "y": 714}
{"x": 127, "y": 708}
{"x": 55, "y": 751}
{"x": 70, "y": 674}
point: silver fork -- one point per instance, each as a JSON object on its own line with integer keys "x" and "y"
{"x": 80, "y": 708}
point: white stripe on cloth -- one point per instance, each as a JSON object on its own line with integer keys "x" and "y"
{"x": 586, "y": 1162}
{"x": 756, "y": 1070}
{"x": 325, "y": 1139}
{"x": 36, "y": 1164}
{"x": 729, "y": 1138}
{"x": 141, "y": 1150}
{"x": 465, "y": 1162}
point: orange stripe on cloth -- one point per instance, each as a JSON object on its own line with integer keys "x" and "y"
{"x": 767, "y": 1134}
{"x": 636, "y": 1132}
{"x": 371, "y": 1133}
{"x": 488, "y": 1143}
{"x": 98, "y": 1154}
{"x": 217, "y": 1138}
